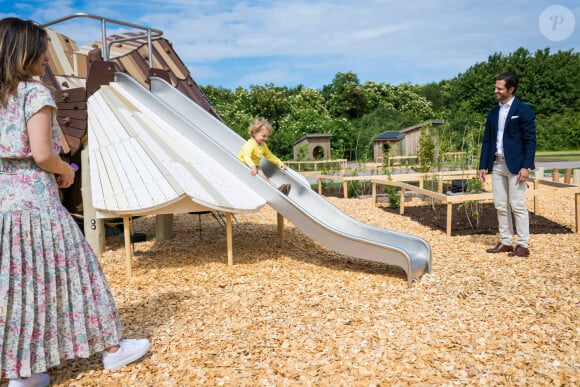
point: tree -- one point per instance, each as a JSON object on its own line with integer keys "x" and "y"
{"x": 345, "y": 97}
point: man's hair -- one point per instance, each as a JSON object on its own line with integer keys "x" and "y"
{"x": 511, "y": 80}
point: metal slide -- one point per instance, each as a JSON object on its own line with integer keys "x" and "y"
{"x": 305, "y": 208}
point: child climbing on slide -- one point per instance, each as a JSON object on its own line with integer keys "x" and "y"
{"x": 253, "y": 150}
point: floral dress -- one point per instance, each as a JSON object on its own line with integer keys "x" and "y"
{"x": 55, "y": 302}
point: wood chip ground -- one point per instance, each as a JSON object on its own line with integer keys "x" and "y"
{"x": 303, "y": 315}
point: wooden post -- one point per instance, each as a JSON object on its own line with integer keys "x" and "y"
{"x": 567, "y": 175}
{"x": 127, "y": 236}
{"x": 539, "y": 173}
{"x": 556, "y": 175}
{"x": 164, "y": 227}
{"x": 536, "y": 198}
{"x": 577, "y": 212}
{"x": 94, "y": 228}
{"x": 421, "y": 178}
{"x": 374, "y": 193}
{"x": 345, "y": 188}
{"x": 576, "y": 177}
{"x": 280, "y": 223}
{"x": 402, "y": 201}
{"x": 229, "y": 239}
{"x": 320, "y": 186}
{"x": 449, "y": 218}
{"x": 440, "y": 184}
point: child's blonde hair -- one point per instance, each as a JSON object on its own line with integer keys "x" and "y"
{"x": 257, "y": 125}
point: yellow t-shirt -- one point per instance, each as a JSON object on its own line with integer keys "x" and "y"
{"x": 251, "y": 154}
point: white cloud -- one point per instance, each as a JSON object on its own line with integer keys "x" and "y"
{"x": 416, "y": 40}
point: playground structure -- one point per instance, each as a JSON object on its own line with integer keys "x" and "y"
{"x": 164, "y": 151}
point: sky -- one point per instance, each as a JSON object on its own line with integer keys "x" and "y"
{"x": 233, "y": 44}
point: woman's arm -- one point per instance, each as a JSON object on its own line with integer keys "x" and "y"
{"x": 39, "y": 128}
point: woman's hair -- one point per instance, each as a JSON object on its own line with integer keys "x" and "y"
{"x": 257, "y": 125}
{"x": 22, "y": 42}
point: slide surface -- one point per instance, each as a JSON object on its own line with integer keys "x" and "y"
{"x": 304, "y": 207}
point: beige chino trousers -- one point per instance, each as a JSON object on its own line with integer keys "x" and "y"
{"x": 509, "y": 198}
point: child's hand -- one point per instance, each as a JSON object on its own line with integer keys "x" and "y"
{"x": 284, "y": 167}
{"x": 254, "y": 170}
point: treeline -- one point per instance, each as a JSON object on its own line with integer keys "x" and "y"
{"x": 356, "y": 113}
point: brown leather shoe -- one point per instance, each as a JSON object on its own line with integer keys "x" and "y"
{"x": 520, "y": 251}
{"x": 285, "y": 189}
{"x": 500, "y": 248}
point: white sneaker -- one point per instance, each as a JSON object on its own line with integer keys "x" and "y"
{"x": 36, "y": 380}
{"x": 129, "y": 351}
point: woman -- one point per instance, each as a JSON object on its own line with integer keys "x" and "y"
{"x": 55, "y": 302}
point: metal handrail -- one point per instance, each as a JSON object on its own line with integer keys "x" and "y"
{"x": 104, "y": 20}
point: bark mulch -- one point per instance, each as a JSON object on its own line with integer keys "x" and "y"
{"x": 304, "y": 315}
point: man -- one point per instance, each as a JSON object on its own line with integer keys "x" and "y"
{"x": 508, "y": 149}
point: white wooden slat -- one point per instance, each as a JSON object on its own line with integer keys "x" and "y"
{"x": 97, "y": 193}
{"x": 157, "y": 178}
{"x": 152, "y": 151}
{"x": 97, "y": 138}
{"x": 111, "y": 128}
{"x": 147, "y": 176}
{"x": 108, "y": 194}
{"x": 147, "y": 194}
{"x": 120, "y": 183}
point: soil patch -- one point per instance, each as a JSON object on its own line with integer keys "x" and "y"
{"x": 464, "y": 223}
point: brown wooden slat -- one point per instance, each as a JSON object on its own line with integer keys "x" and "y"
{"x": 72, "y": 106}
{"x": 72, "y": 114}
{"x": 76, "y": 124}
{"x": 71, "y": 95}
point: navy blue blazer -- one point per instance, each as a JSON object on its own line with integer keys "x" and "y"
{"x": 519, "y": 138}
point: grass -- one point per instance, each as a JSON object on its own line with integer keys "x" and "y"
{"x": 571, "y": 155}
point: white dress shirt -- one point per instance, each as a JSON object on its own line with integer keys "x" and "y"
{"x": 504, "y": 109}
